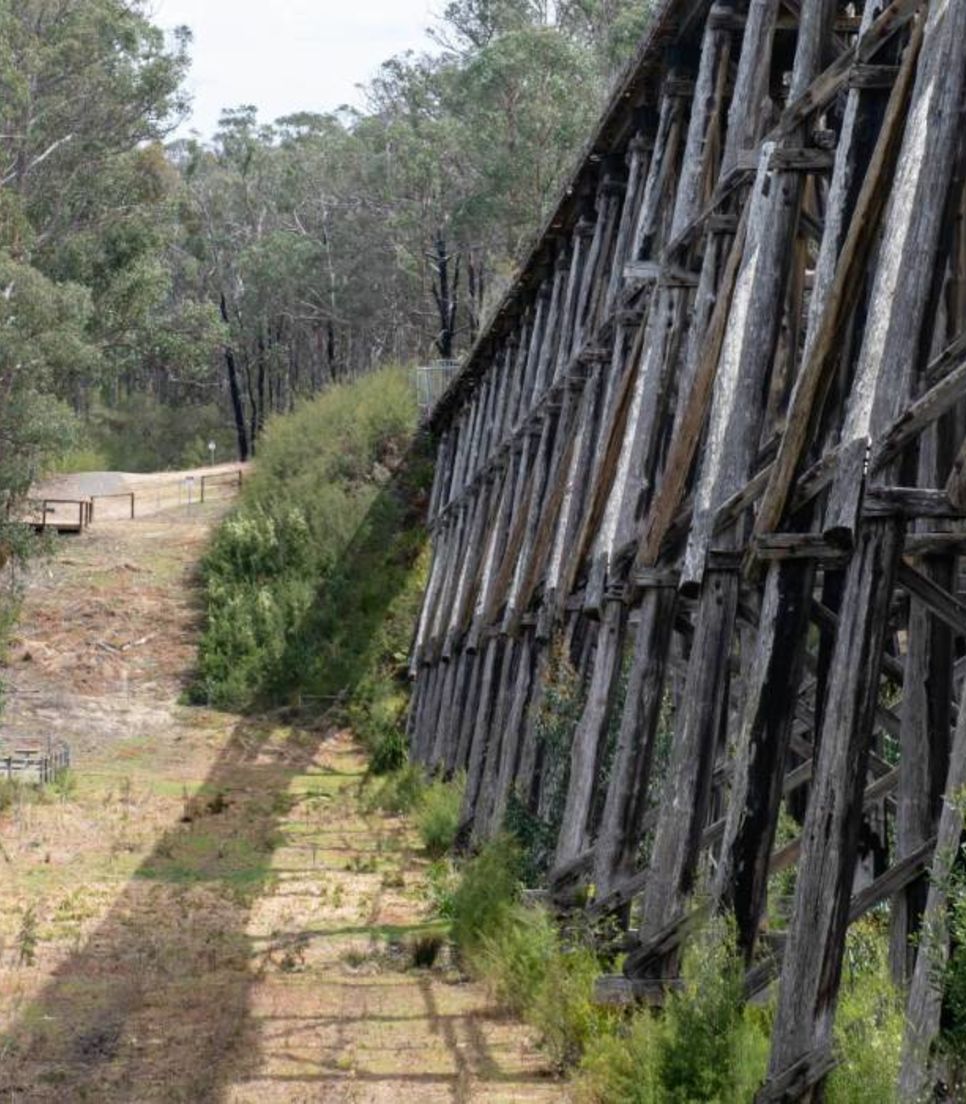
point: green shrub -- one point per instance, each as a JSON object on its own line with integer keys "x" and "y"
{"x": 399, "y": 793}
{"x": 489, "y": 886}
{"x": 389, "y": 754}
{"x": 563, "y": 1009}
{"x": 870, "y": 1022}
{"x": 83, "y": 458}
{"x": 706, "y": 1045}
{"x": 439, "y": 816}
{"x": 711, "y": 1049}
{"x": 513, "y": 959}
{"x": 141, "y": 434}
{"x": 442, "y": 884}
{"x": 622, "y": 1067}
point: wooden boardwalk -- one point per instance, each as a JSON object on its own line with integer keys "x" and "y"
{"x": 710, "y": 454}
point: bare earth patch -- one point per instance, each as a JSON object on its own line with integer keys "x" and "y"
{"x": 208, "y": 912}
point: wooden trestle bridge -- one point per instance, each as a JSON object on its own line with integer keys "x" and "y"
{"x": 712, "y": 448}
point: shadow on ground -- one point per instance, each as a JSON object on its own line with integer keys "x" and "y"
{"x": 155, "y": 1004}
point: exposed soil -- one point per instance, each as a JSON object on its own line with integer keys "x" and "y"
{"x": 208, "y": 911}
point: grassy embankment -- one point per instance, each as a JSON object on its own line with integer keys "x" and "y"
{"x": 312, "y": 585}
{"x": 312, "y": 589}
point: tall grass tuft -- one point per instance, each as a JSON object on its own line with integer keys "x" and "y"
{"x": 870, "y": 1021}
{"x": 705, "y": 1045}
{"x": 438, "y": 817}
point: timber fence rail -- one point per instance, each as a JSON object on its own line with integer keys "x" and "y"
{"x": 38, "y": 765}
{"x": 708, "y": 459}
{"x": 148, "y": 498}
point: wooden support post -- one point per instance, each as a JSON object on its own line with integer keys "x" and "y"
{"x": 816, "y": 942}
{"x": 481, "y": 730}
{"x": 684, "y": 801}
{"x": 924, "y": 1009}
{"x": 504, "y": 769}
{"x": 773, "y": 676}
{"x": 846, "y": 245}
{"x": 574, "y": 831}
{"x": 629, "y": 784}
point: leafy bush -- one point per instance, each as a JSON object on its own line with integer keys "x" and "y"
{"x": 399, "y": 793}
{"x": 442, "y": 879}
{"x": 522, "y": 957}
{"x": 389, "y": 754}
{"x": 622, "y": 1067}
{"x": 513, "y": 959}
{"x": 83, "y": 458}
{"x": 489, "y": 886}
{"x": 439, "y": 816}
{"x": 705, "y": 1046}
{"x": 870, "y": 1022}
{"x": 713, "y": 1047}
{"x": 563, "y": 1009}
{"x": 140, "y": 434}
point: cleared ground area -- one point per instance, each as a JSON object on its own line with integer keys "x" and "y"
{"x": 206, "y": 910}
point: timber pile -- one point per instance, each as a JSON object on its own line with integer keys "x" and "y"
{"x": 713, "y": 448}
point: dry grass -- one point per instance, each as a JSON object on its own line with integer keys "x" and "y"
{"x": 215, "y": 914}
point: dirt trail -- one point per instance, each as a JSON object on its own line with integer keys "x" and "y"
{"x": 208, "y": 913}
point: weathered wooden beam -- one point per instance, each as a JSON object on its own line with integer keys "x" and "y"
{"x": 845, "y": 252}
{"x": 813, "y": 961}
{"x": 935, "y": 598}
{"x": 924, "y": 1007}
{"x": 574, "y": 830}
{"x": 909, "y": 503}
{"x": 629, "y": 783}
{"x": 687, "y": 787}
{"x": 757, "y": 787}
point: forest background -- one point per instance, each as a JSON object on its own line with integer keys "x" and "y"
{"x": 156, "y": 294}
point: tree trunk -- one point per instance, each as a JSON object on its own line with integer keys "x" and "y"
{"x": 234, "y": 391}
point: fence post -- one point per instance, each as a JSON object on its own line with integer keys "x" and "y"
{"x": 203, "y": 479}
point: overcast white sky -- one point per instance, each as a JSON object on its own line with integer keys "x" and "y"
{"x": 289, "y": 55}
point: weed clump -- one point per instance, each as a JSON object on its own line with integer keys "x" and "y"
{"x": 706, "y": 1045}
{"x": 399, "y": 793}
{"x": 28, "y": 937}
{"x": 518, "y": 951}
{"x": 490, "y": 885}
{"x": 390, "y": 752}
{"x": 438, "y": 816}
{"x": 869, "y": 1024}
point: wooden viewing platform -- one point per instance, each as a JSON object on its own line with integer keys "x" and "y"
{"x": 65, "y": 515}
{"x": 40, "y": 764}
{"x": 135, "y": 497}
{"x": 707, "y": 466}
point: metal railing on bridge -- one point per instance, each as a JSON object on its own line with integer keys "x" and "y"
{"x": 432, "y": 380}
